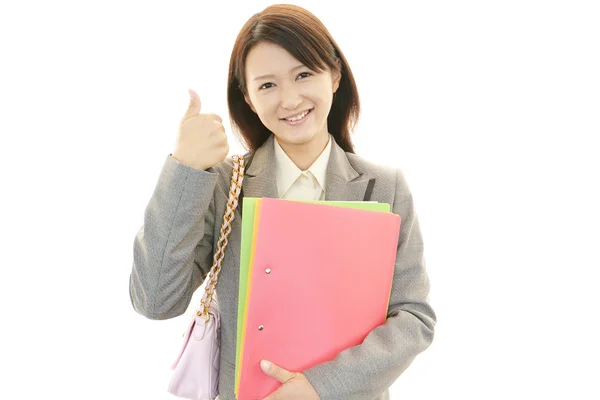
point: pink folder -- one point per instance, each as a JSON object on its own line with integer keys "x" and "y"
{"x": 320, "y": 282}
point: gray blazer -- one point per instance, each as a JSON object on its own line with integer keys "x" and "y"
{"x": 173, "y": 253}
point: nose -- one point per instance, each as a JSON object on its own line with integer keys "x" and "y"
{"x": 290, "y": 98}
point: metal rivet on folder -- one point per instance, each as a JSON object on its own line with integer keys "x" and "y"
{"x": 268, "y": 270}
{"x": 260, "y": 328}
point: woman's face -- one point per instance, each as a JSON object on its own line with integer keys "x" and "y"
{"x": 288, "y": 90}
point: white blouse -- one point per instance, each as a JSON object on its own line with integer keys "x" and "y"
{"x": 294, "y": 184}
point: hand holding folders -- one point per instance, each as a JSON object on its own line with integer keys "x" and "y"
{"x": 315, "y": 279}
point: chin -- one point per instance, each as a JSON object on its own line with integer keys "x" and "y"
{"x": 299, "y": 137}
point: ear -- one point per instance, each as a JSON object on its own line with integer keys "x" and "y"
{"x": 337, "y": 76}
{"x": 249, "y": 103}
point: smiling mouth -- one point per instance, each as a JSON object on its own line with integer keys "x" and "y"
{"x": 299, "y": 116}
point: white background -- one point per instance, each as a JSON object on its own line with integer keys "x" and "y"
{"x": 491, "y": 110}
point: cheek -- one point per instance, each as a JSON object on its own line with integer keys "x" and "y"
{"x": 267, "y": 111}
{"x": 322, "y": 93}
{"x": 266, "y": 105}
{"x": 323, "y": 98}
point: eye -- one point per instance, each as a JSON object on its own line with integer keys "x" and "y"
{"x": 263, "y": 86}
{"x": 307, "y": 73}
{"x": 269, "y": 83}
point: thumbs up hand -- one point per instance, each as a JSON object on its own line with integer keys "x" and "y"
{"x": 201, "y": 142}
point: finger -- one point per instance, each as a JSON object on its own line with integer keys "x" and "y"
{"x": 276, "y": 372}
{"x": 194, "y": 106}
{"x": 217, "y": 117}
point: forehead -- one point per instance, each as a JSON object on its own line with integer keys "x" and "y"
{"x": 267, "y": 58}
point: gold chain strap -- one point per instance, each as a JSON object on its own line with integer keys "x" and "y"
{"x": 237, "y": 178}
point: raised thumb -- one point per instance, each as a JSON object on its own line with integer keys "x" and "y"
{"x": 194, "y": 107}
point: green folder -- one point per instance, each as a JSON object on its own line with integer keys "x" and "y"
{"x": 249, "y": 207}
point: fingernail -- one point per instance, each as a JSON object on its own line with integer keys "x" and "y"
{"x": 264, "y": 365}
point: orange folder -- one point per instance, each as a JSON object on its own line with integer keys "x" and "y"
{"x": 320, "y": 281}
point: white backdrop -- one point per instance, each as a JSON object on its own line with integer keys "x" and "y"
{"x": 491, "y": 110}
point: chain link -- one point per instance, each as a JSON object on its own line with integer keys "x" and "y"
{"x": 237, "y": 177}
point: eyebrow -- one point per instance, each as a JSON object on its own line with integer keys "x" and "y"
{"x": 273, "y": 76}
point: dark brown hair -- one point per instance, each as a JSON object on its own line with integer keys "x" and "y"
{"x": 305, "y": 37}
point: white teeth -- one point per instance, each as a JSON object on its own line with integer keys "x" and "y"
{"x": 298, "y": 117}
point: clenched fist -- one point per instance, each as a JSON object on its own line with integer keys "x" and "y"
{"x": 201, "y": 141}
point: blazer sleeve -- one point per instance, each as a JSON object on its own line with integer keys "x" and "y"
{"x": 172, "y": 251}
{"x": 367, "y": 370}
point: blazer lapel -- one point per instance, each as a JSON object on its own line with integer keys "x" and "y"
{"x": 260, "y": 180}
{"x": 343, "y": 182}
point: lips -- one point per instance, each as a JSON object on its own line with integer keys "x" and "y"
{"x": 295, "y": 115}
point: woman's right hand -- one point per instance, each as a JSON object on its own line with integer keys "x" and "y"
{"x": 201, "y": 141}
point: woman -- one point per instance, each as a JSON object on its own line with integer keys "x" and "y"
{"x": 293, "y": 101}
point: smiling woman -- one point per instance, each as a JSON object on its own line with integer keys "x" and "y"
{"x": 285, "y": 62}
{"x": 293, "y": 103}
{"x": 303, "y": 98}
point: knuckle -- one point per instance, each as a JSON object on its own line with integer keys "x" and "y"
{"x": 216, "y": 118}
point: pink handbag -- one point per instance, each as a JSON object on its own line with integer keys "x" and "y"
{"x": 196, "y": 369}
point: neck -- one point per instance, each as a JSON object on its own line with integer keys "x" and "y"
{"x": 305, "y": 154}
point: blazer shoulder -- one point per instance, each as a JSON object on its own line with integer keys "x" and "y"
{"x": 227, "y": 164}
{"x": 225, "y": 169}
{"x": 369, "y": 169}
{"x": 390, "y": 180}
